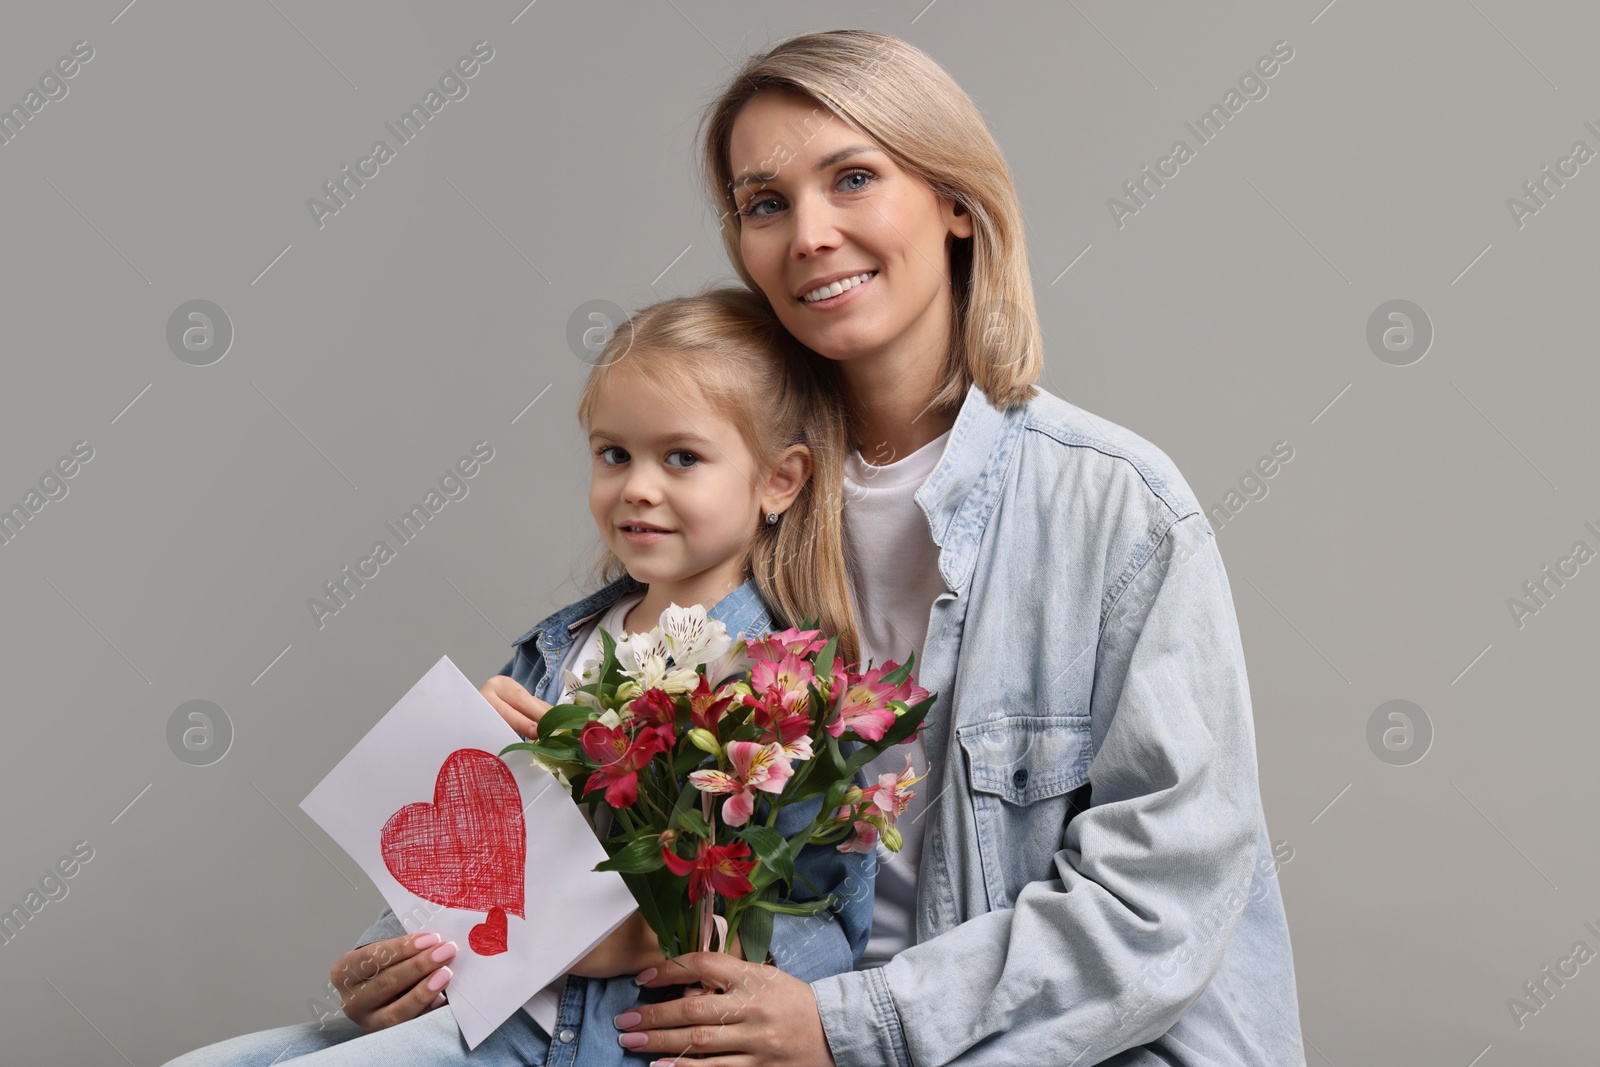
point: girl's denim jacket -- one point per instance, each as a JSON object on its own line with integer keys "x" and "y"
{"x": 1097, "y": 884}
{"x": 806, "y": 947}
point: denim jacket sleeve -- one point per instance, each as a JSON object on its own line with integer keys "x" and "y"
{"x": 1145, "y": 881}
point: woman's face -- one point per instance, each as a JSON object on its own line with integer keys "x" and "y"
{"x": 818, "y": 201}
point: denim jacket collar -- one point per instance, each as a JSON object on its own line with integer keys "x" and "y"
{"x": 960, "y": 494}
{"x": 741, "y": 611}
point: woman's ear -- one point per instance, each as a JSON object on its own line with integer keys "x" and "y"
{"x": 957, "y": 219}
{"x": 787, "y": 479}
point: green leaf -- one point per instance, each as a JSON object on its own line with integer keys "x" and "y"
{"x": 810, "y": 907}
{"x": 824, "y": 668}
{"x": 693, "y": 821}
{"x": 900, "y": 673}
{"x": 755, "y": 932}
{"x": 562, "y": 717}
{"x": 644, "y": 854}
{"x": 771, "y": 849}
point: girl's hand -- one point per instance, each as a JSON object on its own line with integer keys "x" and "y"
{"x": 392, "y": 981}
{"x": 633, "y": 944}
{"x": 518, "y": 707}
{"x": 629, "y": 949}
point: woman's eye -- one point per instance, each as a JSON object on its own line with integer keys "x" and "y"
{"x": 602, "y": 450}
{"x": 848, "y": 175}
{"x": 693, "y": 459}
{"x": 753, "y": 207}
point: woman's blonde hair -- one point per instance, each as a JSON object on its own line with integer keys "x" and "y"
{"x": 726, "y": 346}
{"x": 908, "y": 104}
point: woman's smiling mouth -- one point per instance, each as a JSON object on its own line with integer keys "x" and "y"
{"x": 828, "y": 295}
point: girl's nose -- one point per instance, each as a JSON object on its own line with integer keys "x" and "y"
{"x": 640, "y": 487}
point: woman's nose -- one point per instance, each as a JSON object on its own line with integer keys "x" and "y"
{"x": 815, "y": 227}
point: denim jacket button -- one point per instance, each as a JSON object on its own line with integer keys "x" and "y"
{"x": 1020, "y": 778}
{"x": 566, "y": 1036}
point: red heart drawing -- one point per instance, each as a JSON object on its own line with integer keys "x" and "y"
{"x": 466, "y": 849}
{"x": 488, "y": 938}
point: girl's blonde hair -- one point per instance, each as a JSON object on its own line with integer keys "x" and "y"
{"x": 908, "y": 104}
{"x": 726, "y": 346}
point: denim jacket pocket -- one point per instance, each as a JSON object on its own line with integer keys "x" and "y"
{"x": 1022, "y": 770}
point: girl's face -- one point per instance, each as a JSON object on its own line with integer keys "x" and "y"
{"x": 819, "y": 200}
{"x": 672, "y": 464}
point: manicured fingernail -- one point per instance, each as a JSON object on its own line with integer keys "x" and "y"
{"x": 443, "y": 952}
{"x": 422, "y": 941}
{"x": 662, "y": 1063}
{"x": 438, "y": 1000}
{"x": 440, "y": 977}
{"x": 633, "y": 1040}
{"x": 627, "y": 1019}
{"x": 644, "y": 976}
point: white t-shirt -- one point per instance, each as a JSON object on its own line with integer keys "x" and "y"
{"x": 894, "y": 568}
{"x": 545, "y": 1005}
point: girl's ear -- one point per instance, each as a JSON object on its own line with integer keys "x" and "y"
{"x": 787, "y": 479}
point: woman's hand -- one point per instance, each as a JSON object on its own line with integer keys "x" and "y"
{"x": 392, "y": 981}
{"x": 757, "y": 1014}
{"x": 518, "y": 707}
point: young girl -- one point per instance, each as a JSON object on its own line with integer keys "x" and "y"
{"x": 716, "y": 459}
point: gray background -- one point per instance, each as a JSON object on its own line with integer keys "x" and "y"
{"x": 1227, "y": 315}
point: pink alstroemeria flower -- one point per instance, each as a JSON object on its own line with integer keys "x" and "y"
{"x": 755, "y": 766}
{"x": 620, "y": 760}
{"x": 774, "y": 647}
{"x": 864, "y": 705}
{"x": 892, "y": 793}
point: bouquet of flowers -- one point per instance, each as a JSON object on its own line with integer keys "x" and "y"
{"x": 668, "y": 722}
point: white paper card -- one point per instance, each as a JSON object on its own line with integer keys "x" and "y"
{"x": 434, "y": 817}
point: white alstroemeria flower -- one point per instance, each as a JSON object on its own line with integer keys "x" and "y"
{"x": 559, "y": 768}
{"x": 734, "y": 660}
{"x": 644, "y": 658}
{"x": 692, "y": 636}
{"x": 570, "y": 684}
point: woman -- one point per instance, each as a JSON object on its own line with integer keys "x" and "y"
{"x": 1096, "y": 881}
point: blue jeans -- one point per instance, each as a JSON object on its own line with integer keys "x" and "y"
{"x": 430, "y": 1040}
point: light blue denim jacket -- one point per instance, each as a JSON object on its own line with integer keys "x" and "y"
{"x": 1097, "y": 884}
{"x": 806, "y": 947}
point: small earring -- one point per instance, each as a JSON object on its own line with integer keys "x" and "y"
{"x": 772, "y": 517}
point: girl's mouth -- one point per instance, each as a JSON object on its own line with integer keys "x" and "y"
{"x": 641, "y": 535}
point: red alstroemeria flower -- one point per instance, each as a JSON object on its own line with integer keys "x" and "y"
{"x": 720, "y": 869}
{"x": 620, "y": 759}
{"x": 654, "y": 706}
{"x": 706, "y": 707}
{"x": 755, "y": 766}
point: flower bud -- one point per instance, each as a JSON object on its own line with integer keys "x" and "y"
{"x": 705, "y": 741}
{"x": 890, "y": 837}
{"x": 627, "y": 691}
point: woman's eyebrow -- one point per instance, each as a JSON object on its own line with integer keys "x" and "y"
{"x": 829, "y": 160}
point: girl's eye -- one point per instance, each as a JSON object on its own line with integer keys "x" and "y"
{"x": 603, "y": 449}
{"x": 693, "y": 459}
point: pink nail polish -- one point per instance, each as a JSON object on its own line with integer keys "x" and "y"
{"x": 440, "y": 977}
{"x": 443, "y": 952}
{"x": 422, "y": 941}
{"x": 437, "y": 1001}
{"x": 633, "y": 1040}
{"x": 644, "y": 976}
